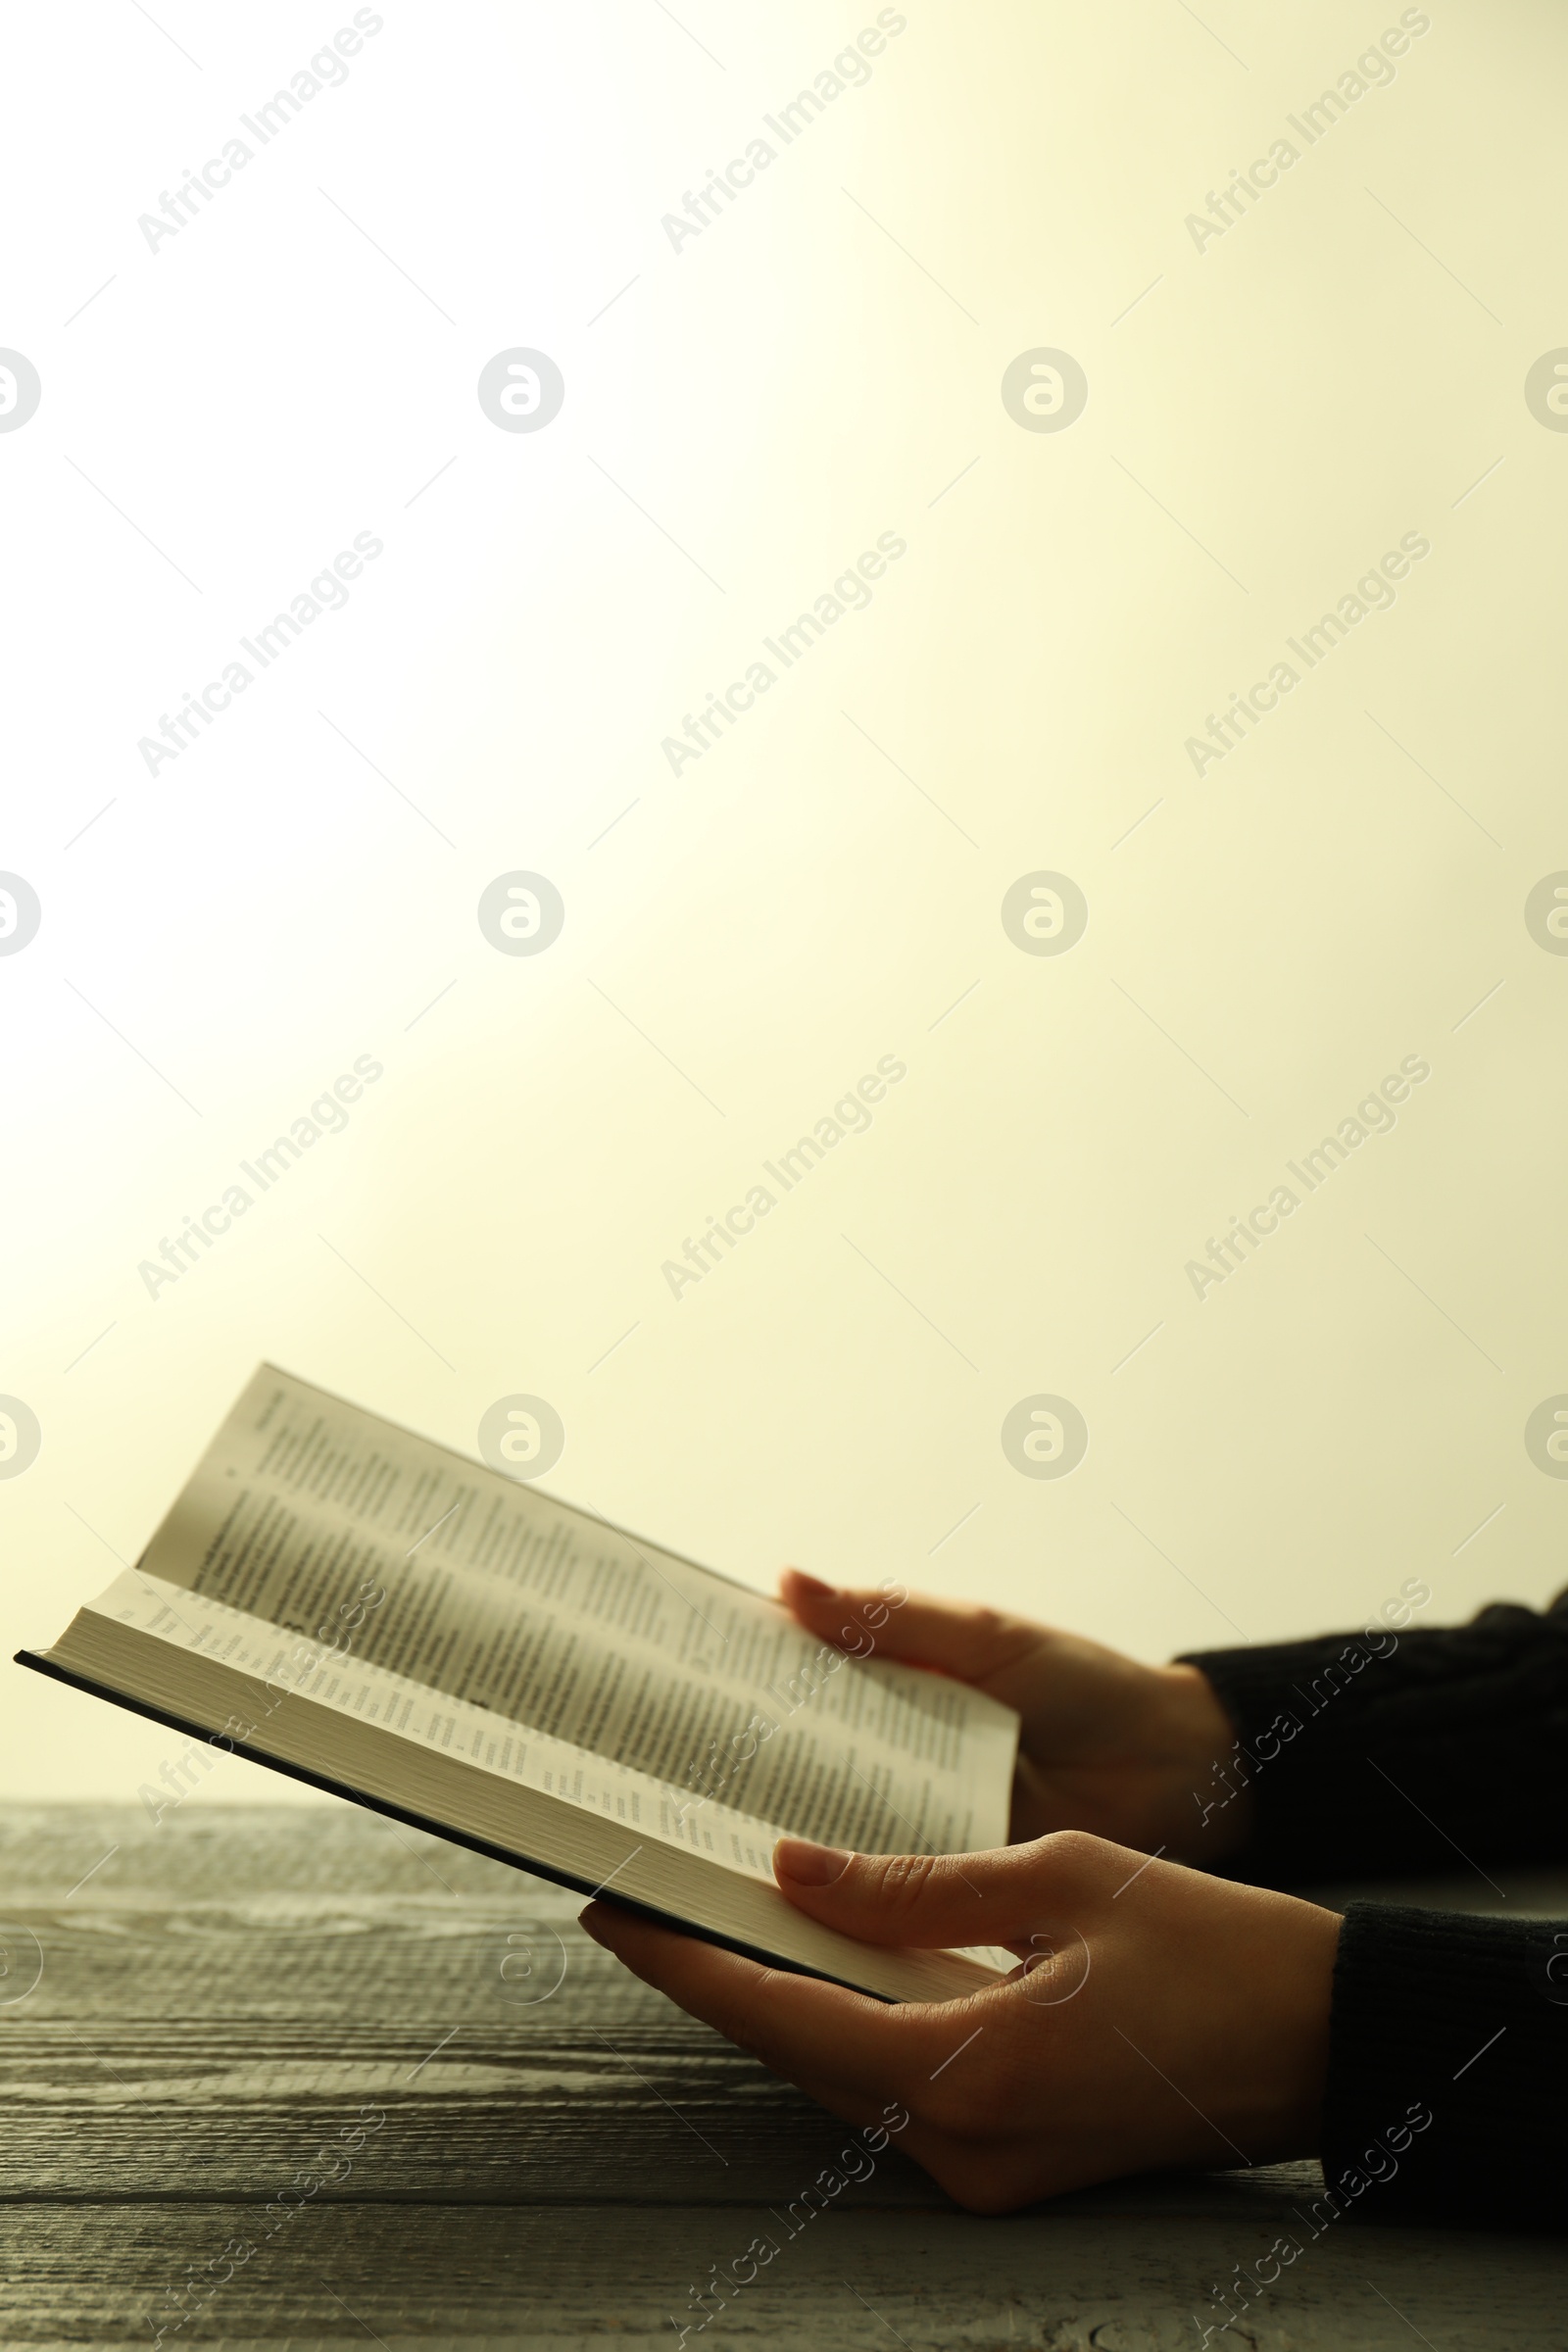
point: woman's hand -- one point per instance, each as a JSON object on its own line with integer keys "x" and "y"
{"x": 1124, "y": 1750}
{"x": 1158, "y": 2017}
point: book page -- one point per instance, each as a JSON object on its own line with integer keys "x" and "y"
{"x": 459, "y": 1770}
{"x": 295, "y": 1670}
{"x": 327, "y": 1521}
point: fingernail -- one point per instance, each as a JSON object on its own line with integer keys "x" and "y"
{"x": 812, "y": 1585}
{"x": 810, "y": 1865}
{"x": 588, "y": 1919}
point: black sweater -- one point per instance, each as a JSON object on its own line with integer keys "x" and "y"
{"x": 1382, "y": 1755}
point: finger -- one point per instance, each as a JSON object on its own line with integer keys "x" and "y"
{"x": 974, "y": 1644}
{"x": 876, "y": 2095}
{"x": 804, "y": 2029}
{"x": 1002, "y": 1896}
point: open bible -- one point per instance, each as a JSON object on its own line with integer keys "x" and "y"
{"x": 388, "y": 1620}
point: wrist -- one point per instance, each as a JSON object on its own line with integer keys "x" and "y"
{"x": 1213, "y": 1814}
{"x": 1278, "y": 2107}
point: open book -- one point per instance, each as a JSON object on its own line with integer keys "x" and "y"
{"x": 382, "y": 1618}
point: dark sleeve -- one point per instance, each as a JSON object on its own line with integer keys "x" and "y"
{"x": 1389, "y": 1753}
{"x": 1448, "y": 2080}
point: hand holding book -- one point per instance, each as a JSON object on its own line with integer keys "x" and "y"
{"x": 1156, "y": 2016}
{"x": 363, "y": 1609}
{"x": 1104, "y": 1744}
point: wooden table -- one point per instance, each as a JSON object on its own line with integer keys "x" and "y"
{"x": 561, "y": 2158}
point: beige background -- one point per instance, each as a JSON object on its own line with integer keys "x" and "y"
{"x": 1265, "y": 418}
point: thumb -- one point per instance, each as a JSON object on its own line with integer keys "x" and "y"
{"x": 931, "y": 1899}
{"x": 974, "y": 1644}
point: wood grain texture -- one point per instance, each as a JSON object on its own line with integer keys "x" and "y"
{"x": 574, "y": 2276}
{"x": 562, "y": 2159}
